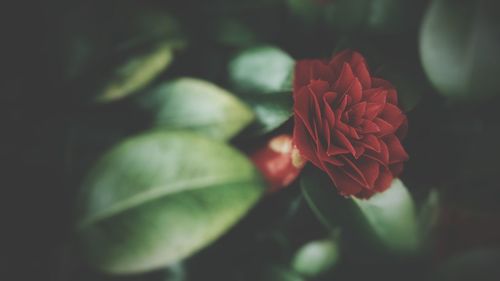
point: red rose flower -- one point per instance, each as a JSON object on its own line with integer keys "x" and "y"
{"x": 348, "y": 123}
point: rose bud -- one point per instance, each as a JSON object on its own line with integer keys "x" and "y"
{"x": 348, "y": 123}
{"x": 278, "y": 161}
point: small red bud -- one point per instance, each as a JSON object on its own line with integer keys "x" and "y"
{"x": 279, "y": 162}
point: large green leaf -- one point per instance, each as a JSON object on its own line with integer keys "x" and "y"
{"x": 459, "y": 45}
{"x": 188, "y": 103}
{"x": 387, "y": 220}
{"x": 261, "y": 70}
{"x": 159, "y": 197}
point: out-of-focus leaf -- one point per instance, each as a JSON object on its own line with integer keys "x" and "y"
{"x": 316, "y": 257}
{"x": 117, "y": 47}
{"x": 159, "y": 197}
{"x": 261, "y": 70}
{"x": 351, "y": 16}
{"x": 459, "y": 45}
{"x": 188, "y": 103}
{"x": 134, "y": 73}
{"x": 387, "y": 220}
{"x": 262, "y": 76}
{"x": 271, "y": 111}
{"x": 279, "y": 273}
{"x": 474, "y": 265}
{"x": 235, "y": 33}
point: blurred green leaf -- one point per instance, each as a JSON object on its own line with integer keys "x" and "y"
{"x": 262, "y": 76}
{"x": 279, "y": 273}
{"x": 117, "y": 47}
{"x": 271, "y": 111}
{"x": 232, "y": 32}
{"x": 459, "y": 45}
{"x": 316, "y": 257}
{"x": 481, "y": 264}
{"x": 261, "y": 70}
{"x": 188, "y": 103}
{"x": 353, "y": 16}
{"x": 159, "y": 197}
{"x": 134, "y": 73}
{"x": 387, "y": 220}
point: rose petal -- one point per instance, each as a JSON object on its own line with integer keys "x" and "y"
{"x": 344, "y": 141}
{"x": 377, "y": 95}
{"x": 308, "y": 70}
{"x": 344, "y": 181}
{"x": 373, "y": 110}
{"x": 392, "y": 115}
{"x": 384, "y": 179}
{"x": 304, "y": 143}
{"x": 361, "y": 70}
{"x": 355, "y": 91}
{"x": 396, "y": 151}
{"x": 385, "y": 127}
{"x": 392, "y": 96}
{"x": 345, "y": 79}
{"x": 370, "y": 169}
{"x": 369, "y": 127}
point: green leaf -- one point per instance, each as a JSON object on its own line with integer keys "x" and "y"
{"x": 134, "y": 73}
{"x": 459, "y": 48}
{"x": 159, "y": 197}
{"x": 279, "y": 273}
{"x": 316, "y": 257}
{"x": 271, "y": 111}
{"x": 387, "y": 220}
{"x": 479, "y": 264}
{"x": 124, "y": 47}
{"x": 198, "y": 105}
{"x": 261, "y": 70}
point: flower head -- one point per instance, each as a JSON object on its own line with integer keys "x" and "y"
{"x": 348, "y": 123}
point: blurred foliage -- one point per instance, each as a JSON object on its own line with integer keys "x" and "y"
{"x": 87, "y": 80}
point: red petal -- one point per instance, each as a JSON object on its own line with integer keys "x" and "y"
{"x": 353, "y": 171}
{"x": 344, "y": 141}
{"x": 307, "y": 70}
{"x": 384, "y": 179}
{"x": 335, "y": 150}
{"x": 304, "y": 142}
{"x": 385, "y": 127}
{"x": 345, "y": 79}
{"x": 344, "y": 184}
{"x": 338, "y": 61}
{"x": 356, "y": 113}
{"x": 369, "y": 127}
{"x": 355, "y": 91}
{"x": 371, "y": 142}
{"x": 376, "y": 95}
{"x": 382, "y": 157}
{"x": 373, "y": 110}
{"x": 370, "y": 169}
{"x": 392, "y": 96}
{"x": 393, "y": 115}
{"x": 360, "y": 70}
{"x": 396, "y": 151}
